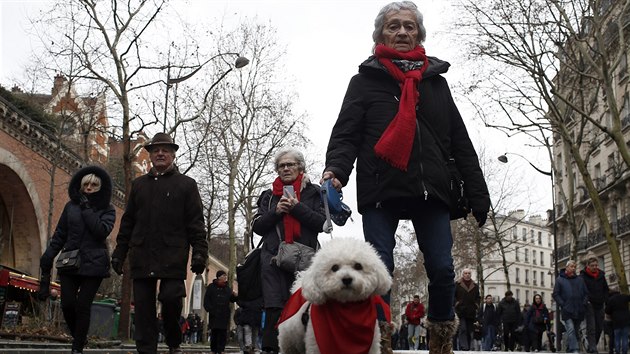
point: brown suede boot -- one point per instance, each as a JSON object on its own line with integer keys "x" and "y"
{"x": 441, "y": 336}
{"x": 386, "y": 337}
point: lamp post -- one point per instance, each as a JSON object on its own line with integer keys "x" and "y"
{"x": 238, "y": 63}
{"x": 503, "y": 158}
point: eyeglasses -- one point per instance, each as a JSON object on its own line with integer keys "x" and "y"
{"x": 282, "y": 166}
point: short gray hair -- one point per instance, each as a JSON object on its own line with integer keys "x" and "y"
{"x": 379, "y": 22}
{"x": 296, "y": 154}
{"x": 571, "y": 262}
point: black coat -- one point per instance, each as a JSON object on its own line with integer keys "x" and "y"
{"x": 466, "y": 300}
{"x": 276, "y": 283}
{"x": 617, "y": 309}
{"x": 370, "y": 104}
{"x": 217, "y": 303}
{"x": 487, "y": 316}
{"x": 597, "y": 288}
{"x": 162, "y": 221}
{"x": 85, "y": 228}
{"x": 530, "y": 318}
{"x": 509, "y": 311}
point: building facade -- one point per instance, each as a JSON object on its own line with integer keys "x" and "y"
{"x": 528, "y": 248}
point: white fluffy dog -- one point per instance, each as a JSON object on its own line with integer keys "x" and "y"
{"x": 333, "y": 308}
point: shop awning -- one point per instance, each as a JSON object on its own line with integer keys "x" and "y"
{"x": 22, "y": 281}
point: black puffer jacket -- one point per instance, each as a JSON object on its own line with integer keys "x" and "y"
{"x": 85, "y": 228}
{"x": 370, "y": 104}
{"x": 162, "y": 221}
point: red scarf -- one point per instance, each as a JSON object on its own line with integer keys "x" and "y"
{"x": 395, "y": 144}
{"x": 594, "y": 274}
{"x": 348, "y": 325}
{"x": 291, "y": 224}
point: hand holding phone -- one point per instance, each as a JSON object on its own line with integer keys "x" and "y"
{"x": 288, "y": 191}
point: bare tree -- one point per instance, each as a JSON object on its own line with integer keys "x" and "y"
{"x": 554, "y": 77}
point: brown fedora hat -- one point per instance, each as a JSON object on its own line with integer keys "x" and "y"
{"x": 161, "y": 139}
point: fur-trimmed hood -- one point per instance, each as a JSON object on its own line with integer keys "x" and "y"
{"x": 99, "y": 200}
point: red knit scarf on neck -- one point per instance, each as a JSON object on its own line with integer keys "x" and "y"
{"x": 291, "y": 224}
{"x": 395, "y": 144}
{"x": 594, "y": 274}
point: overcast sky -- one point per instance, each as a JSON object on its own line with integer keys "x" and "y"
{"x": 334, "y": 32}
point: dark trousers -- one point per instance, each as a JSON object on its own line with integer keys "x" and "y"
{"x": 172, "y": 291}
{"x": 270, "y": 332}
{"x": 77, "y": 294}
{"x": 594, "y": 326}
{"x": 509, "y": 336}
{"x": 431, "y": 222}
{"x": 464, "y": 333}
{"x": 218, "y": 338}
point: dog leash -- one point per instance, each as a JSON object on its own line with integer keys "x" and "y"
{"x": 328, "y": 227}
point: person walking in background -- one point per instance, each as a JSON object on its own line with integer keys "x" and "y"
{"x": 414, "y": 313}
{"x": 403, "y": 334}
{"x": 291, "y": 218}
{"x": 536, "y": 323}
{"x": 249, "y": 318}
{"x": 617, "y": 309}
{"x": 571, "y": 295}
{"x": 467, "y": 300}
{"x": 597, "y": 288}
{"x": 509, "y": 312}
{"x": 163, "y": 220}
{"x": 85, "y": 223}
{"x": 488, "y": 317}
{"x": 398, "y": 120}
{"x": 217, "y": 303}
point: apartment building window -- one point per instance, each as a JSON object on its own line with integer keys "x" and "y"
{"x": 524, "y": 234}
{"x": 539, "y": 238}
{"x": 542, "y": 278}
{"x": 550, "y": 258}
{"x": 514, "y": 233}
{"x": 542, "y": 258}
{"x": 518, "y": 294}
{"x": 517, "y": 255}
{"x": 518, "y": 275}
{"x": 527, "y": 296}
{"x": 526, "y": 255}
{"x": 542, "y": 295}
{"x": 526, "y": 276}
{"x": 534, "y": 279}
{"x": 623, "y": 68}
{"x": 549, "y": 236}
{"x": 614, "y": 219}
{"x": 534, "y": 256}
{"x": 531, "y": 234}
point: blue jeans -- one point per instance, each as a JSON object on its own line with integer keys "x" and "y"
{"x": 431, "y": 222}
{"x": 572, "y": 326}
{"x": 487, "y": 342}
{"x": 621, "y": 340}
{"x": 414, "y": 336}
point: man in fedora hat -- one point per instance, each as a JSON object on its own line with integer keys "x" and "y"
{"x": 162, "y": 221}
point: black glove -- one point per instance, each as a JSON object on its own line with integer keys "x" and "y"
{"x": 117, "y": 266}
{"x": 481, "y": 217}
{"x": 44, "y": 287}
{"x": 198, "y": 264}
{"x": 84, "y": 203}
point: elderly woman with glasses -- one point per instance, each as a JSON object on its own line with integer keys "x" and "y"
{"x": 283, "y": 215}
{"x": 399, "y": 122}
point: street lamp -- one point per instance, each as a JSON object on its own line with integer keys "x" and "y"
{"x": 238, "y": 63}
{"x": 503, "y": 158}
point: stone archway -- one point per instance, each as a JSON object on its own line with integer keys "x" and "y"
{"x": 21, "y": 220}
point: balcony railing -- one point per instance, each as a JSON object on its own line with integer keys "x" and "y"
{"x": 596, "y": 237}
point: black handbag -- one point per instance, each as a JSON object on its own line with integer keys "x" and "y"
{"x": 458, "y": 203}
{"x": 68, "y": 261}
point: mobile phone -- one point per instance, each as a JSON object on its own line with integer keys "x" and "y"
{"x": 288, "y": 191}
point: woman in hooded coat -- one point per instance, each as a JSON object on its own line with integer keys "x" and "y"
{"x": 85, "y": 223}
